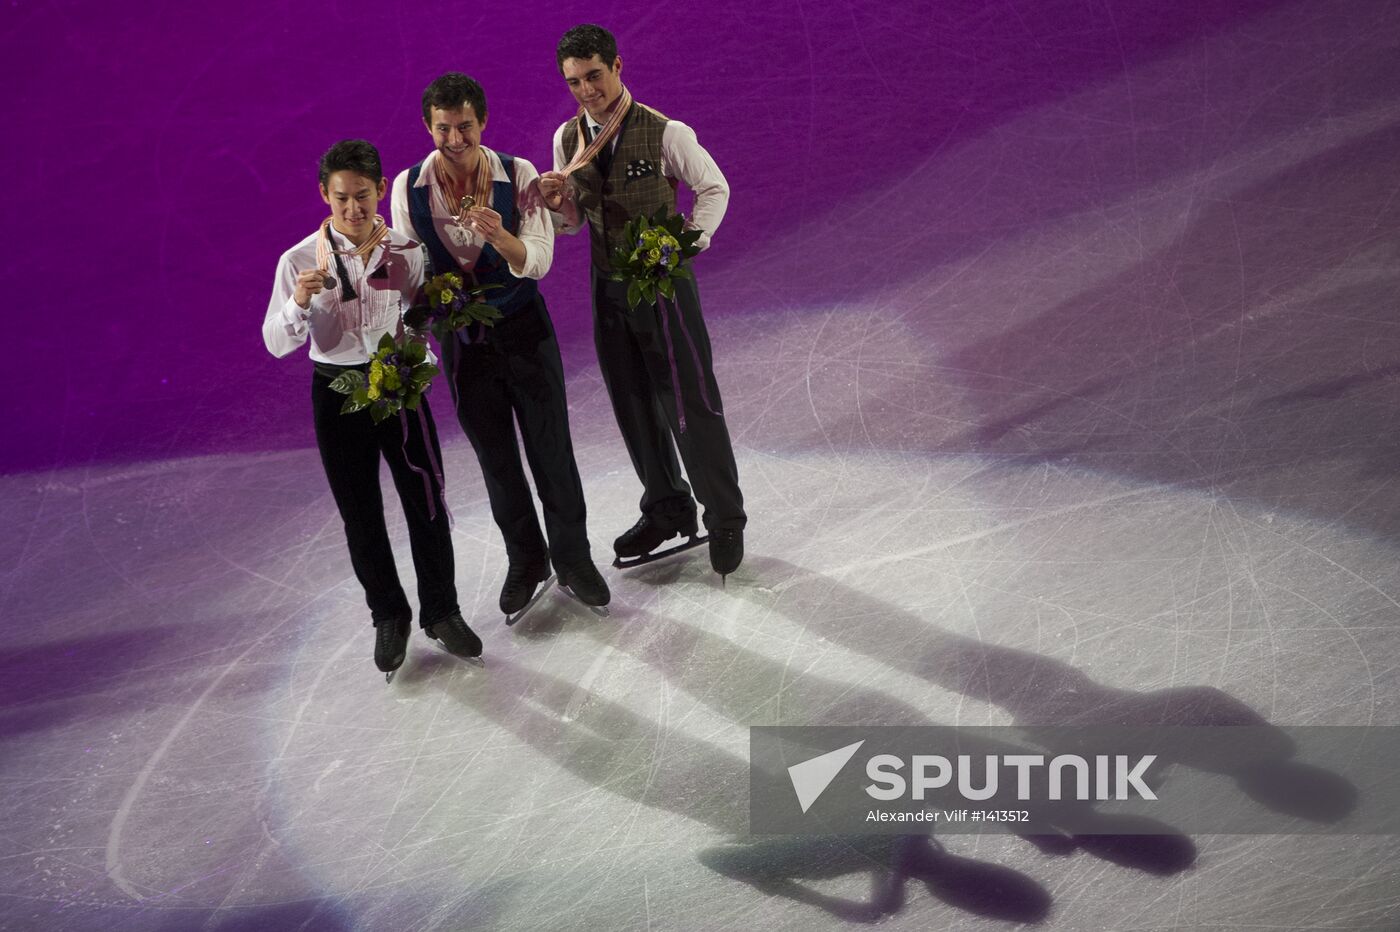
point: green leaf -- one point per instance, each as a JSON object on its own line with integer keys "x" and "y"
{"x": 683, "y": 272}
{"x": 634, "y": 293}
{"x": 348, "y": 381}
{"x": 412, "y": 402}
{"x": 667, "y": 288}
{"x": 414, "y": 353}
{"x": 387, "y": 342}
{"x": 361, "y": 396}
{"x": 483, "y": 313}
{"x": 351, "y": 406}
{"x": 688, "y": 238}
{"x": 416, "y": 317}
{"x": 423, "y": 372}
{"x": 649, "y": 292}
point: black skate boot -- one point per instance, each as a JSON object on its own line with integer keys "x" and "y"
{"x": 390, "y": 646}
{"x": 651, "y": 532}
{"x": 635, "y": 547}
{"x": 455, "y": 636}
{"x": 583, "y": 581}
{"x": 726, "y": 550}
{"x": 521, "y": 580}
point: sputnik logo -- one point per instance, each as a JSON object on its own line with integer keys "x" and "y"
{"x": 811, "y": 777}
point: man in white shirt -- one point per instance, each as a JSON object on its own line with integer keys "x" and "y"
{"x": 341, "y": 289}
{"x": 475, "y": 212}
{"x": 655, "y": 360}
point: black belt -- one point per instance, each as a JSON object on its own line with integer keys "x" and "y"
{"x": 331, "y": 370}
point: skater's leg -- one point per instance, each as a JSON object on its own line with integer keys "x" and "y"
{"x": 536, "y": 388}
{"x": 483, "y": 408}
{"x": 350, "y": 456}
{"x": 409, "y": 444}
{"x": 704, "y": 443}
{"x": 631, "y": 389}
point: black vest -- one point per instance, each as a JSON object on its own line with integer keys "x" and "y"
{"x": 491, "y": 267}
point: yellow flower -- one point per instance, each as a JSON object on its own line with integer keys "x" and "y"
{"x": 391, "y": 380}
{"x": 649, "y": 238}
{"x": 445, "y": 297}
{"x": 669, "y": 240}
{"x": 373, "y": 392}
{"x": 653, "y": 256}
{"x": 452, "y": 279}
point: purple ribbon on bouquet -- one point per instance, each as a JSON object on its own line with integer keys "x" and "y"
{"x": 671, "y": 357}
{"x": 432, "y": 462}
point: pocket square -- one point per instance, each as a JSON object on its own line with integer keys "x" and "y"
{"x": 640, "y": 168}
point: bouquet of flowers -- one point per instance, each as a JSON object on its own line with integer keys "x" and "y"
{"x": 451, "y": 305}
{"x": 655, "y": 251}
{"x": 399, "y": 375}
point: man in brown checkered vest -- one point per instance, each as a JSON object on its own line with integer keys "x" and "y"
{"x": 655, "y": 361}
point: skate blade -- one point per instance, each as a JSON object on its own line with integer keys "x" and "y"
{"x": 389, "y": 677}
{"x": 600, "y": 610}
{"x": 474, "y": 661}
{"x": 627, "y": 564}
{"x": 539, "y": 594}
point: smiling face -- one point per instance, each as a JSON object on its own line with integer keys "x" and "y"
{"x": 593, "y": 83}
{"x": 457, "y": 135}
{"x": 353, "y": 198}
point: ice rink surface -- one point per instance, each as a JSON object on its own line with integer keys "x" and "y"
{"x": 1085, "y": 410}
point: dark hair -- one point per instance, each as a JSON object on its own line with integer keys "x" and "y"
{"x": 584, "y": 42}
{"x": 352, "y": 155}
{"x": 451, "y": 91}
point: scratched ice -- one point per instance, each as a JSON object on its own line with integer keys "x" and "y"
{"x": 1086, "y": 399}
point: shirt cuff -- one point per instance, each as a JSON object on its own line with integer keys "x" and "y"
{"x": 295, "y": 316}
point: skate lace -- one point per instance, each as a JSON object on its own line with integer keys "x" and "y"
{"x": 518, "y": 576}
{"x": 386, "y": 635}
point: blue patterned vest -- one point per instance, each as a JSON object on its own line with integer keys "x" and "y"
{"x": 491, "y": 267}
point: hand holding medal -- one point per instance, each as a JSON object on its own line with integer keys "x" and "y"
{"x": 310, "y": 283}
{"x": 485, "y": 223}
{"x": 556, "y": 187}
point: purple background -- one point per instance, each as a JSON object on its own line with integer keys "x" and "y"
{"x": 1059, "y": 350}
{"x": 163, "y": 156}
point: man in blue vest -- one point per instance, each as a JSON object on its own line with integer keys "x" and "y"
{"x": 473, "y": 211}
{"x": 664, "y": 398}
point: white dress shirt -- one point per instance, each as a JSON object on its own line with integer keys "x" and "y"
{"x": 465, "y": 246}
{"x": 682, "y": 157}
{"x": 344, "y": 333}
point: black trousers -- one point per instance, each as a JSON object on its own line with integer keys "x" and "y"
{"x": 637, "y": 365}
{"x": 351, "y": 446}
{"x": 515, "y": 374}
